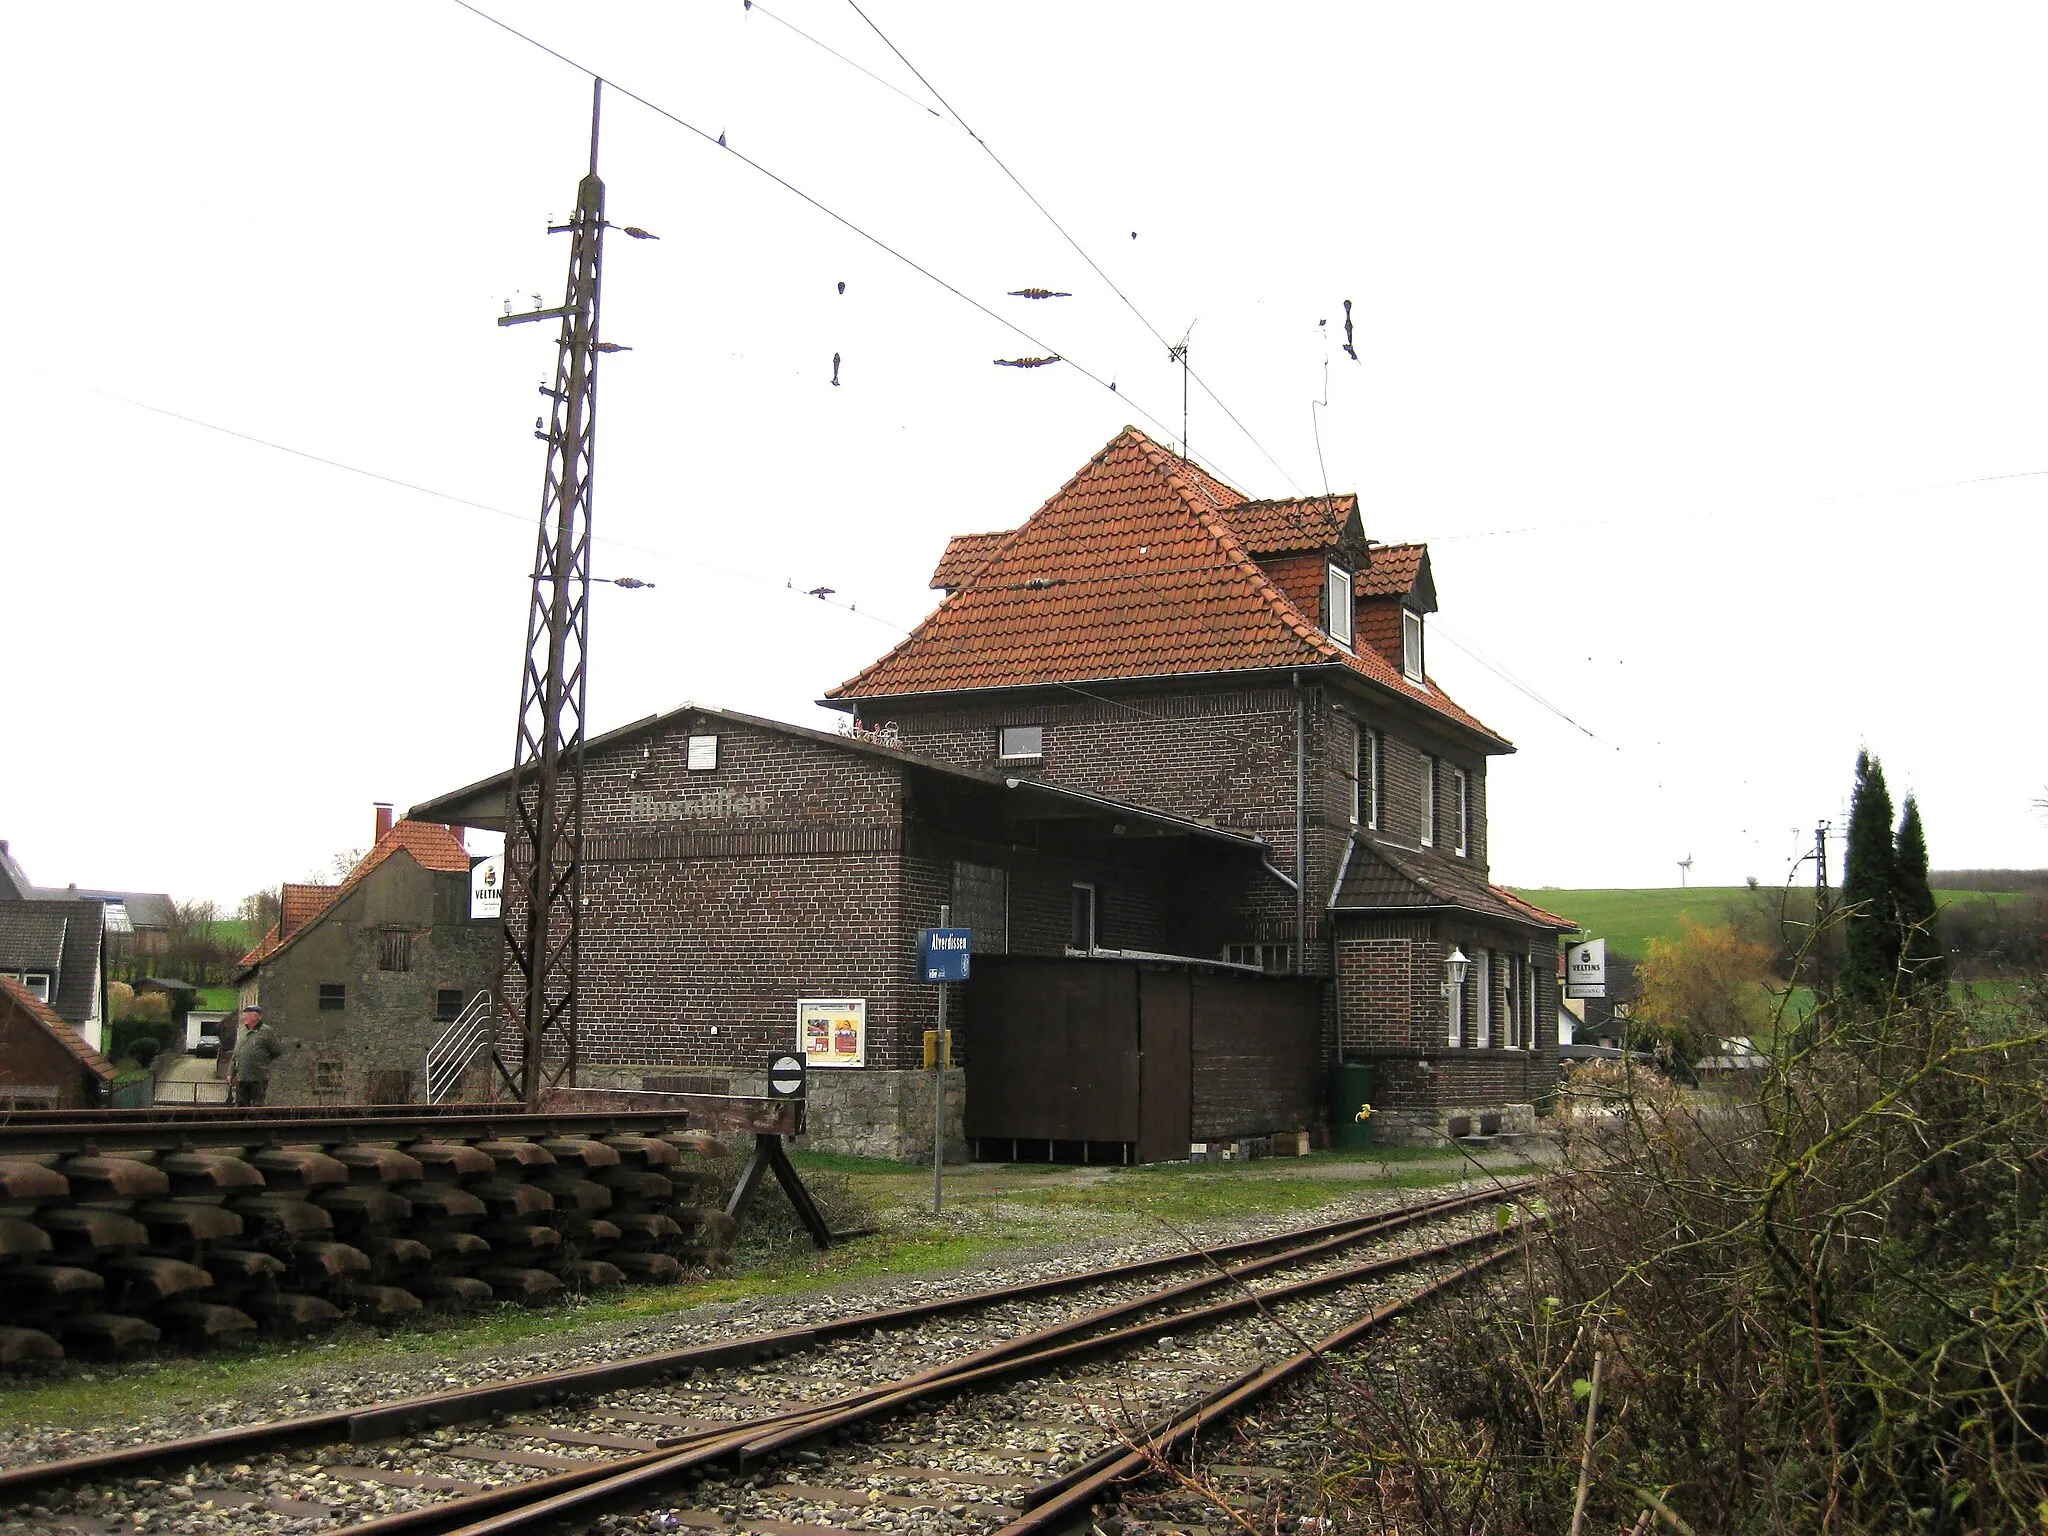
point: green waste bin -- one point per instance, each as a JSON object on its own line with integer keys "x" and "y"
{"x": 1351, "y": 1089}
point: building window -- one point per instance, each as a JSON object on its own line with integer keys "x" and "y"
{"x": 1337, "y": 604}
{"x": 36, "y": 982}
{"x": 1411, "y": 645}
{"x": 1015, "y": 743}
{"x": 1482, "y": 967}
{"x": 981, "y": 901}
{"x": 1278, "y": 958}
{"x": 1428, "y": 801}
{"x": 701, "y": 755}
{"x": 1460, "y": 814}
{"x": 327, "y": 1076}
{"x": 447, "y": 1004}
{"x": 1083, "y": 933}
{"x": 1455, "y": 994}
{"x": 394, "y": 949}
{"x": 1511, "y": 1013}
{"x": 333, "y": 996}
{"x": 1375, "y": 757}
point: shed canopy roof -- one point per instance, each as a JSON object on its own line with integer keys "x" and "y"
{"x": 1379, "y": 877}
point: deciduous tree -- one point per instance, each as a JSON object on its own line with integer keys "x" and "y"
{"x": 1694, "y": 991}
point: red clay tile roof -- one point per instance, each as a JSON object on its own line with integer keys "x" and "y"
{"x": 25, "y": 1001}
{"x": 432, "y": 845}
{"x": 965, "y": 554}
{"x": 1127, "y": 571}
{"x": 1536, "y": 913}
{"x": 1295, "y": 524}
{"x": 1393, "y": 570}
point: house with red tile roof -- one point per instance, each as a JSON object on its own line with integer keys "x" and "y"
{"x": 44, "y": 1063}
{"x": 1153, "y": 635}
{"x": 359, "y": 978}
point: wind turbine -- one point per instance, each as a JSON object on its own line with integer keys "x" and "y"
{"x": 1684, "y": 869}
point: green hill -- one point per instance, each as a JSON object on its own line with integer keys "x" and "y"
{"x": 1628, "y": 920}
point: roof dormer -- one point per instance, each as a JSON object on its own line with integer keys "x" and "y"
{"x": 1395, "y": 590}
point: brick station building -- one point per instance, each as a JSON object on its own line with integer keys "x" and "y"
{"x": 1163, "y": 739}
{"x": 1151, "y": 633}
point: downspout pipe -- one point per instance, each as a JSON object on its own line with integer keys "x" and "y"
{"x": 1300, "y": 827}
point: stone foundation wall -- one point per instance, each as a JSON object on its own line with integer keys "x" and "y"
{"x": 871, "y": 1113}
{"x": 1429, "y": 1125}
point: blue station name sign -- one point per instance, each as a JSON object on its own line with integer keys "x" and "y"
{"x": 944, "y": 953}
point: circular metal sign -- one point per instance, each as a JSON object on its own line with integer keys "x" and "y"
{"x": 786, "y": 1077}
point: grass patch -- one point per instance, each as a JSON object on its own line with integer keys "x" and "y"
{"x": 846, "y": 1162}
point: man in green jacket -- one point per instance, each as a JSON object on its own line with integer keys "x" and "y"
{"x": 249, "y": 1076}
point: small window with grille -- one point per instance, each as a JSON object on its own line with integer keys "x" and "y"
{"x": 333, "y": 996}
{"x": 394, "y": 949}
{"x": 447, "y": 1004}
{"x": 327, "y": 1076}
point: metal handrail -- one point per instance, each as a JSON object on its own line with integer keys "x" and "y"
{"x": 449, "y": 1057}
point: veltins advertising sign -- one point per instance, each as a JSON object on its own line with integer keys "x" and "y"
{"x": 486, "y": 887}
{"x": 833, "y": 1031}
{"x": 1585, "y": 969}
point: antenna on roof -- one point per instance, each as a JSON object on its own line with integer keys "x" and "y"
{"x": 1178, "y": 353}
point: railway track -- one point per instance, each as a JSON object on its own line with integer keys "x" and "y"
{"x": 1005, "y": 1408}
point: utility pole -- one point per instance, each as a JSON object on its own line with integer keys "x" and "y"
{"x": 537, "y": 984}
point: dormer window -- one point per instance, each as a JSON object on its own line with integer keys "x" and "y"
{"x": 1411, "y": 645}
{"x": 1337, "y": 604}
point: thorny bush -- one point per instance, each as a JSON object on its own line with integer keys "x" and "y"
{"x": 1819, "y": 1303}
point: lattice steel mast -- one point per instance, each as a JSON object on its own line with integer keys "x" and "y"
{"x": 537, "y": 982}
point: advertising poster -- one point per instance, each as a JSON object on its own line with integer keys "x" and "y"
{"x": 1585, "y": 969}
{"x": 486, "y": 887}
{"x": 833, "y": 1031}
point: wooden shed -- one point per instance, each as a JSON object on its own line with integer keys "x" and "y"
{"x": 1094, "y": 1059}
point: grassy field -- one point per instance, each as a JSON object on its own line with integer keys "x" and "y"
{"x": 1628, "y": 919}
{"x": 989, "y": 1211}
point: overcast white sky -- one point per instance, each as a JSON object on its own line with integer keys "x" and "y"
{"x": 1678, "y": 331}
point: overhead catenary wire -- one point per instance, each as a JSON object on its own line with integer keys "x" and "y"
{"x": 718, "y": 140}
{"x": 1079, "y": 250}
{"x": 755, "y": 6}
{"x": 523, "y": 519}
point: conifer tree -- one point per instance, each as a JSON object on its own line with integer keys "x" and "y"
{"x": 1926, "y": 962}
{"x": 1870, "y": 962}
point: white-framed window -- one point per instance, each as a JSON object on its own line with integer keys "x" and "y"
{"x": 1529, "y": 1031}
{"x": 36, "y": 982}
{"x": 1428, "y": 801}
{"x": 1359, "y": 749}
{"x": 702, "y": 756}
{"x": 1375, "y": 758}
{"x": 1278, "y": 958}
{"x": 1337, "y": 603}
{"x": 1482, "y": 967}
{"x": 1456, "y": 996}
{"x": 1461, "y": 827}
{"x": 1511, "y": 1014}
{"x": 1411, "y": 645}
{"x": 1015, "y": 743}
{"x": 1082, "y": 932}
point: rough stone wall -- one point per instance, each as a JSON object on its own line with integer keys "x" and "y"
{"x": 883, "y": 1114}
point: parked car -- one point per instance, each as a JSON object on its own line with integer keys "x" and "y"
{"x": 209, "y": 1045}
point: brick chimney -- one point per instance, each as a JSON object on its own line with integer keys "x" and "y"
{"x": 456, "y": 832}
{"x": 383, "y": 821}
